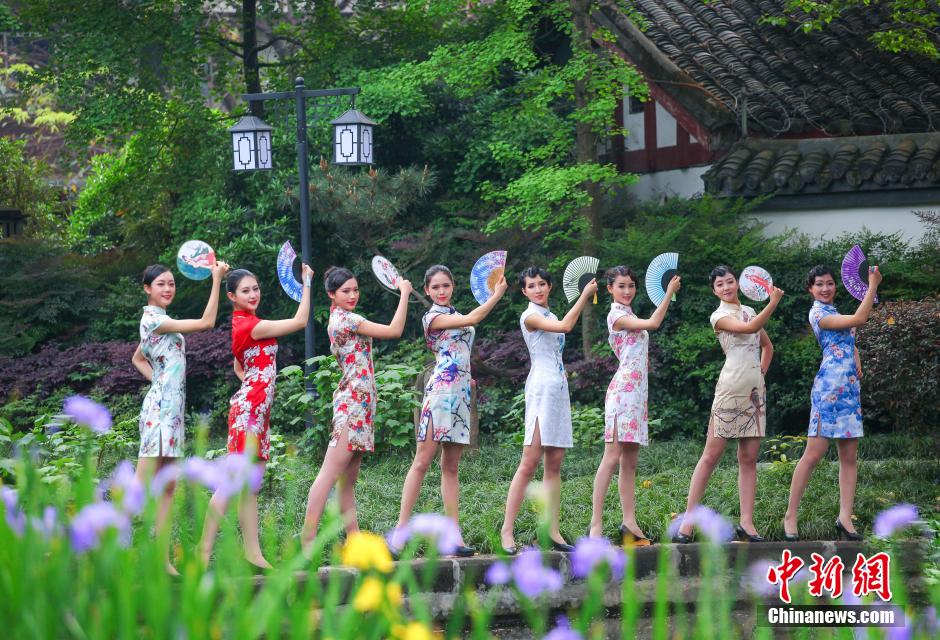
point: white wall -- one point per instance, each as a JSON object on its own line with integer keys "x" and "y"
{"x": 666, "y": 128}
{"x": 635, "y": 139}
{"x": 684, "y": 183}
{"x": 830, "y": 223}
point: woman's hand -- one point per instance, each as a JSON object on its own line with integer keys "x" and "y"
{"x": 219, "y": 269}
{"x": 874, "y": 277}
{"x": 674, "y": 285}
{"x": 306, "y": 275}
{"x": 405, "y": 287}
{"x": 500, "y": 287}
{"x": 776, "y": 294}
{"x": 590, "y": 289}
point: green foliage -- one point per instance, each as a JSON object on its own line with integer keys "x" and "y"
{"x": 23, "y": 187}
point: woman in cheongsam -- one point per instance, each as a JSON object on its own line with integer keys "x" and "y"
{"x": 739, "y": 408}
{"x": 354, "y": 399}
{"x": 548, "y": 431}
{"x": 254, "y": 345}
{"x": 161, "y": 359}
{"x": 836, "y": 411}
{"x": 445, "y": 412}
{"x": 625, "y": 405}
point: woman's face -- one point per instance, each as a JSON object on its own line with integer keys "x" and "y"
{"x": 440, "y": 288}
{"x": 346, "y": 296}
{"x": 247, "y": 295}
{"x": 536, "y": 290}
{"x": 824, "y": 288}
{"x": 623, "y": 290}
{"x": 726, "y": 288}
{"x": 161, "y": 291}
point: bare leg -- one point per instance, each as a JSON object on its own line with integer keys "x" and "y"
{"x": 347, "y": 494}
{"x": 524, "y": 474}
{"x": 334, "y": 463}
{"x": 848, "y": 476}
{"x": 551, "y": 477}
{"x": 210, "y": 529}
{"x": 146, "y": 468}
{"x": 626, "y": 483}
{"x": 814, "y": 452}
{"x": 424, "y": 456}
{"x": 714, "y": 447}
{"x": 605, "y": 471}
{"x": 248, "y": 518}
{"x": 748, "y": 450}
{"x": 450, "y": 484}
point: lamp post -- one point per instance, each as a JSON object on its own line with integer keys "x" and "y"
{"x": 352, "y": 141}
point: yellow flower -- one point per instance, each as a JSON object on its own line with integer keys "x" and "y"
{"x": 646, "y": 484}
{"x": 372, "y": 592}
{"x": 412, "y": 631}
{"x": 366, "y": 551}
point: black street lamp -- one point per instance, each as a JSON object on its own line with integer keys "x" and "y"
{"x": 352, "y": 136}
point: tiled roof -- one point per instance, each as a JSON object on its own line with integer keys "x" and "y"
{"x": 787, "y": 81}
{"x": 827, "y": 165}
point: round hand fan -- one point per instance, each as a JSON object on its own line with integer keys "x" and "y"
{"x": 486, "y": 272}
{"x": 194, "y": 259}
{"x": 285, "y": 272}
{"x": 386, "y": 272}
{"x": 756, "y": 283}
{"x": 855, "y": 273}
{"x": 661, "y": 270}
{"x": 578, "y": 274}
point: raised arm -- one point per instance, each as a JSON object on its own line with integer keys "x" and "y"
{"x": 733, "y": 325}
{"x": 861, "y": 314}
{"x": 395, "y": 328}
{"x": 536, "y": 322}
{"x": 766, "y": 352}
{"x": 276, "y": 328}
{"x": 140, "y": 363}
{"x": 441, "y": 322}
{"x": 656, "y": 320}
{"x": 207, "y": 321}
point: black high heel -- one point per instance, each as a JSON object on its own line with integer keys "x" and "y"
{"x": 464, "y": 551}
{"x": 683, "y": 538}
{"x": 636, "y": 541}
{"x": 741, "y": 534}
{"x": 563, "y": 547}
{"x": 790, "y": 537}
{"x": 845, "y": 533}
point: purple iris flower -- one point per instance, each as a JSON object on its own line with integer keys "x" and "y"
{"x": 95, "y": 519}
{"x": 228, "y": 475}
{"x": 532, "y": 578}
{"x": 591, "y": 552}
{"x": 438, "y": 527}
{"x": 15, "y": 517}
{"x": 397, "y": 538}
{"x": 895, "y": 518}
{"x": 127, "y": 489}
{"x": 563, "y": 631}
{"x": 48, "y": 525}
{"x": 755, "y": 579}
{"x": 712, "y": 524}
{"x": 167, "y": 474}
{"x": 498, "y": 573}
{"x": 87, "y": 412}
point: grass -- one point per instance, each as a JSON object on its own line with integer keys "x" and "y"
{"x": 485, "y": 475}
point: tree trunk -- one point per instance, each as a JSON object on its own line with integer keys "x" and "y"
{"x": 250, "y": 54}
{"x": 586, "y": 152}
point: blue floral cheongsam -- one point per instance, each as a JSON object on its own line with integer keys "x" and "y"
{"x": 161, "y": 416}
{"x": 837, "y": 398}
{"x": 446, "y": 407}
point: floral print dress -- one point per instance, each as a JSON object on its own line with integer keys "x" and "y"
{"x": 250, "y": 407}
{"x": 546, "y": 388}
{"x": 738, "y": 410}
{"x": 837, "y": 401}
{"x": 625, "y": 405}
{"x": 161, "y": 416}
{"x": 446, "y": 407}
{"x": 354, "y": 397}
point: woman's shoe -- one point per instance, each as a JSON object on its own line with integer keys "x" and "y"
{"x": 510, "y": 551}
{"x": 790, "y": 537}
{"x": 845, "y": 533}
{"x": 464, "y": 551}
{"x": 564, "y": 547}
{"x": 636, "y": 540}
{"x": 683, "y": 538}
{"x": 741, "y": 534}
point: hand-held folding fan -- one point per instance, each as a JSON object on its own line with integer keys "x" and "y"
{"x": 194, "y": 259}
{"x": 486, "y": 272}
{"x": 386, "y": 273}
{"x": 756, "y": 283}
{"x": 661, "y": 270}
{"x": 855, "y": 273}
{"x": 578, "y": 274}
{"x": 285, "y": 272}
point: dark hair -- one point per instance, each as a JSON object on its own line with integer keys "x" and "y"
{"x": 334, "y": 277}
{"x": 533, "y": 272}
{"x": 618, "y": 272}
{"x": 152, "y": 272}
{"x": 719, "y": 272}
{"x": 233, "y": 279}
{"x": 816, "y": 272}
{"x": 436, "y": 269}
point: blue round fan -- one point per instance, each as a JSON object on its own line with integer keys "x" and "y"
{"x": 486, "y": 273}
{"x": 659, "y": 273}
{"x": 285, "y": 272}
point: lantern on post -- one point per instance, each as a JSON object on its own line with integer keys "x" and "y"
{"x": 251, "y": 144}
{"x": 352, "y": 138}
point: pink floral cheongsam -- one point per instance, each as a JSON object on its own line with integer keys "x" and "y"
{"x": 738, "y": 410}
{"x": 446, "y": 407}
{"x": 161, "y": 416}
{"x": 625, "y": 408}
{"x": 354, "y": 398}
{"x": 249, "y": 417}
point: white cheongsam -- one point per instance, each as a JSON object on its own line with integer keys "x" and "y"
{"x": 546, "y": 388}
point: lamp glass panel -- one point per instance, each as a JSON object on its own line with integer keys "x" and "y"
{"x": 345, "y": 144}
{"x": 365, "y": 145}
{"x": 264, "y": 150}
{"x": 243, "y": 143}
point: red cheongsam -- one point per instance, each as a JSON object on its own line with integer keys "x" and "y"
{"x": 250, "y": 411}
